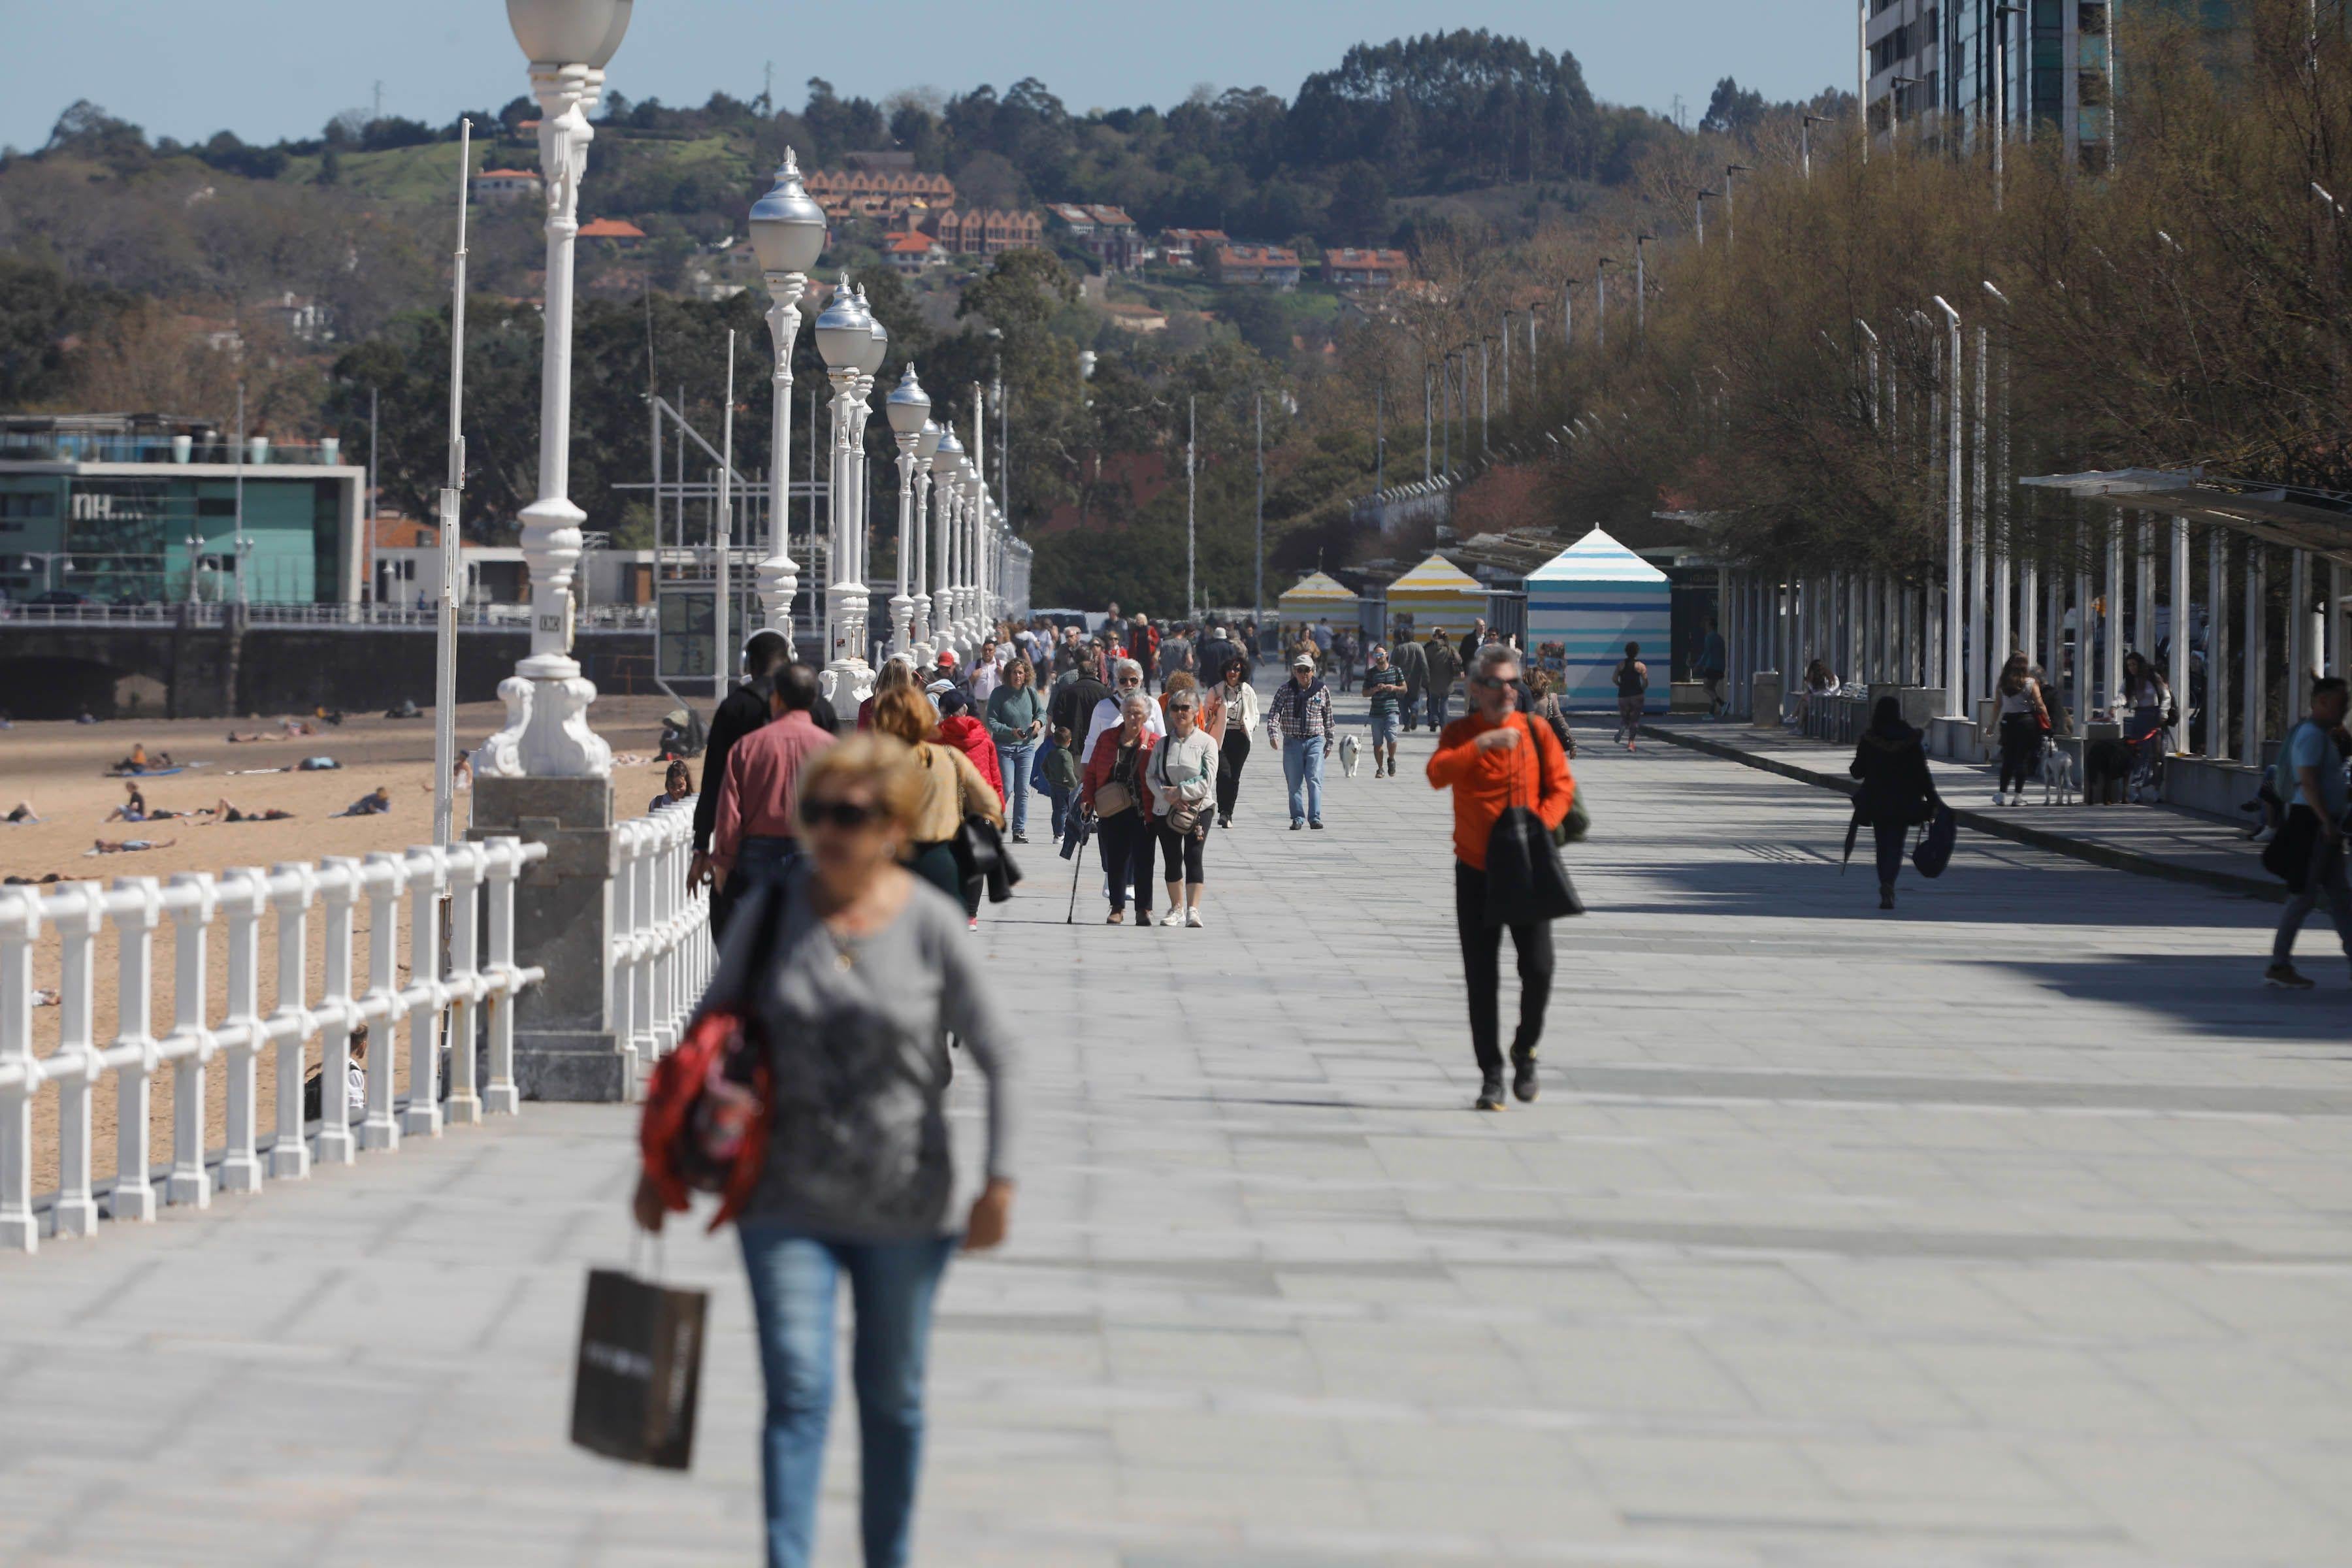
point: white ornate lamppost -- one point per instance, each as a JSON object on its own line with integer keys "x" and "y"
{"x": 947, "y": 469}
{"x": 877, "y": 350}
{"x": 569, "y": 43}
{"x": 910, "y": 409}
{"x": 844, "y": 336}
{"x": 788, "y": 232}
{"x": 926, "y": 448}
{"x": 975, "y": 522}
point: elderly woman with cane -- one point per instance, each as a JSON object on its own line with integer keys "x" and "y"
{"x": 1117, "y": 792}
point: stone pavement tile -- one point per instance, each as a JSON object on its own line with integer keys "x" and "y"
{"x": 1697, "y": 1477}
{"x": 2192, "y": 1505}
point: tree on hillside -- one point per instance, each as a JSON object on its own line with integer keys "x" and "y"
{"x": 1733, "y": 111}
{"x": 1482, "y": 108}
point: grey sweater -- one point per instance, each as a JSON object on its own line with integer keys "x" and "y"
{"x": 859, "y": 1151}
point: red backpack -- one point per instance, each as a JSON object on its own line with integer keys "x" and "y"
{"x": 709, "y": 1102}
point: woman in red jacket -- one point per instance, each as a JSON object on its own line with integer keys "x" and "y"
{"x": 966, "y": 734}
{"x": 1115, "y": 789}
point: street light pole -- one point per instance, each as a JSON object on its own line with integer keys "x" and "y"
{"x": 788, "y": 232}
{"x": 547, "y": 734}
{"x": 1641, "y": 287}
{"x": 444, "y": 642}
{"x": 1730, "y": 211}
{"x": 1698, "y": 214}
{"x": 1805, "y": 139}
{"x": 843, "y": 336}
{"x": 1955, "y": 661}
{"x": 1191, "y": 435}
{"x": 909, "y": 410}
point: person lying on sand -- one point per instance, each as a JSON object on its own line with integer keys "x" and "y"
{"x": 224, "y": 812}
{"x": 21, "y": 812}
{"x": 235, "y": 738}
{"x": 128, "y": 846}
{"x": 373, "y": 804}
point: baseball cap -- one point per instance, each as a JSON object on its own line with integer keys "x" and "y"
{"x": 1302, "y": 662}
{"x": 948, "y": 657}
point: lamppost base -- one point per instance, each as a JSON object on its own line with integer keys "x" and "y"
{"x": 547, "y": 734}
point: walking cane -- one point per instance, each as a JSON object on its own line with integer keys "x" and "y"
{"x": 1078, "y": 869}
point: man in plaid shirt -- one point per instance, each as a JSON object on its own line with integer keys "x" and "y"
{"x": 1300, "y": 722}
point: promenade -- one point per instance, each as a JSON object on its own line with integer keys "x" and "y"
{"x": 2014, "y": 1226}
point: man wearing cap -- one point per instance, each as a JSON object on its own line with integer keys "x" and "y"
{"x": 1300, "y": 722}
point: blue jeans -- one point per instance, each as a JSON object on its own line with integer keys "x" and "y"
{"x": 1013, "y": 764}
{"x": 794, "y": 1279}
{"x": 1064, "y": 801}
{"x": 1302, "y": 770}
{"x": 1440, "y": 698}
{"x": 1387, "y": 728}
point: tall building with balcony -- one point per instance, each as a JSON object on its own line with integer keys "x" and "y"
{"x": 1936, "y": 66}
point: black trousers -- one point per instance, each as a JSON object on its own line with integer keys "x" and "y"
{"x": 2021, "y": 748}
{"x": 1482, "y": 970}
{"x": 1231, "y": 755}
{"x": 1179, "y": 853}
{"x": 1126, "y": 842}
{"x": 1892, "y": 838}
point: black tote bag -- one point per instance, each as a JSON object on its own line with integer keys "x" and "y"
{"x": 1526, "y": 881}
{"x": 639, "y": 1369}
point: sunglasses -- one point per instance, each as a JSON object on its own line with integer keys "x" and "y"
{"x": 1130, "y": 680}
{"x": 1488, "y": 681}
{"x": 843, "y": 814}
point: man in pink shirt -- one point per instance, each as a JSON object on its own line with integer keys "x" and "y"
{"x": 757, "y": 834}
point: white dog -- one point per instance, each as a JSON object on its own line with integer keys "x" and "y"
{"x": 2057, "y": 774}
{"x": 1348, "y": 748}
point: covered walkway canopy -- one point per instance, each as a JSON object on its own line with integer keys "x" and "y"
{"x": 2290, "y": 516}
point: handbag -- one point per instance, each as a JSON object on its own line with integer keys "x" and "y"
{"x": 1933, "y": 850}
{"x": 1115, "y": 795}
{"x": 981, "y": 857}
{"x": 1526, "y": 881}
{"x": 1189, "y": 817}
{"x": 2288, "y": 856}
{"x": 639, "y": 1369}
{"x": 707, "y": 1103}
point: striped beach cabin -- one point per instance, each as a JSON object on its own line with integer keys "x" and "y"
{"x": 1434, "y": 593}
{"x": 1585, "y": 605}
{"x": 1317, "y": 596}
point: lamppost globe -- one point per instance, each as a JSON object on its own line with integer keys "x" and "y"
{"x": 877, "y": 346}
{"x": 909, "y": 406}
{"x": 787, "y": 226}
{"x": 568, "y": 32}
{"x": 948, "y": 456}
{"x": 927, "y": 445}
{"x": 843, "y": 331}
{"x": 604, "y": 53}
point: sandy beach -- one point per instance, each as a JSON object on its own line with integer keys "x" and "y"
{"x": 61, "y": 769}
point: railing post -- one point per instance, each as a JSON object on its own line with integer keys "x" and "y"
{"x": 382, "y": 876}
{"x": 629, "y": 848}
{"x": 425, "y": 877}
{"x": 290, "y": 1023}
{"x": 500, "y": 1097}
{"x": 20, "y": 1075}
{"x": 136, "y": 917}
{"x": 339, "y": 880}
{"x": 663, "y": 933}
{"x": 464, "y": 1105}
{"x": 80, "y": 912}
{"x": 191, "y": 894}
{"x": 243, "y": 898}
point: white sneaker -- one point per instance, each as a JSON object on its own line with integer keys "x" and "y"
{"x": 1172, "y": 918}
{"x": 1192, "y": 917}
{"x": 2000, "y": 799}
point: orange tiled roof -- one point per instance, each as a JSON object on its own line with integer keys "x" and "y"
{"x": 610, "y": 229}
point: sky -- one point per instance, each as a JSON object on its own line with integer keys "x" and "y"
{"x": 272, "y": 68}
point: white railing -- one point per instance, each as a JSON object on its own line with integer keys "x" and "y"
{"x": 662, "y": 947}
{"x": 428, "y": 880}
{"x": 470, "y": 617}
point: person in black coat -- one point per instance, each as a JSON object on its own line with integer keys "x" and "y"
{"x": 742, "y": 711}
{"x": 1898, "y": 791}
{"x": 1072, "y": 705}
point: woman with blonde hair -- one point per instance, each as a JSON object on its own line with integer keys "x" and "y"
{"x": 856, "y": 999}
{"x": 952, "y": 788}
{"x": 896, "y": 672}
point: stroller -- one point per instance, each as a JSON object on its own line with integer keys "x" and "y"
{"x": 682, "y": 734}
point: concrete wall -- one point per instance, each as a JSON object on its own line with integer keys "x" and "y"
{"x": 211, "y": 672}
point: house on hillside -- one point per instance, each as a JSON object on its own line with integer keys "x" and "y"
{"x": 1267, "y": 265}
{"x": 913, "y": 252}
{"x": 1137, "y": 318}
{"x": 495, "y": 186}
{"x": 1351, "y": 269}
{"x": 887, "y": 193}
{"x": 1105, "y": 231}
{"x": 1188, "y": 246}
{"x": 982, "y": 231}
{"x": 620, "y": 231}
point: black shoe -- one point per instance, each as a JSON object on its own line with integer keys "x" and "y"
{"x": 1315, "y": 825}
{"x": 1225, "y": 821}
{"x": 1886, "y": 895}
{"x": 1490, "y": 1093}
{"x": 1020, "y": 838}
{"x": 1523, "y": 1074}
{"x": 1297, "y": 825}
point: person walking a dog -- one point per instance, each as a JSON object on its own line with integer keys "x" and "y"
{"x": 1384, "y": 687}
{"x": 2023, "y": 720}
{"x": 1298, "y": 720}
{"x": 2311, "y": 780}
{"x": 1494, "y": 758}
{"x": 1897, "y": 791}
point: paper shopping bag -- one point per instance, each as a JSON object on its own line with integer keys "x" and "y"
{"x": 640, "y": 1367}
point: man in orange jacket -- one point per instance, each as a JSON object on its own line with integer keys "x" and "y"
{"x": 1494, "y": 758}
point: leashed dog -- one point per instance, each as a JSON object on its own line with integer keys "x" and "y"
{"x": 2057, "y": 774}
{"x": 1350, "y": 747}
{"x": 2106, "y": 771}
